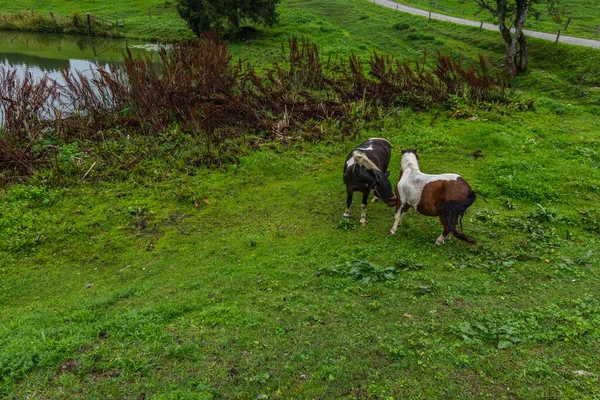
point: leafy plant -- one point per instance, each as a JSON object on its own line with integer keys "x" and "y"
{"x": 360, "y": 270}
{"x": 504, "y": 336}
{"x": 345, "y": 224}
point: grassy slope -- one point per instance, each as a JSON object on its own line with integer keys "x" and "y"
{"x": 164, "y": 24}
{"x": 133, "y": 289}
{"x": 584, "y": 14}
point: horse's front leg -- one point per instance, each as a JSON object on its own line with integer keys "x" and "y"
{"x": 348, "y": 204}
{"x": 400, "y": 211}
{"x": 363, "y": 206}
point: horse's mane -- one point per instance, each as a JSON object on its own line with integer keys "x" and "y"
{"x": 364, "y": 161}
{"x": 414, "y": 163}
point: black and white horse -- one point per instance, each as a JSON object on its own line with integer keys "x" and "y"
{"x": 365, "y": 170}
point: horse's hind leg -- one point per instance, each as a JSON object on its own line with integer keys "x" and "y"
{"x": 445, "y": 235}
{"x": 348, "y": 204}
{"x": 363, "y": 206}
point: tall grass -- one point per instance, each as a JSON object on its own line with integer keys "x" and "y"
{"x": 196, "y": 87}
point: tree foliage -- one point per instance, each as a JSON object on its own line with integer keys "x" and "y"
{"x": 226, "y": 16}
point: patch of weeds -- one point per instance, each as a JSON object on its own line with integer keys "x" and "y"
{"x": 425, "y": 288}
{"x": 589, "y": 221}
{"x": 345, "y": 224}
{"x": 35, "y": 195}
{"x": 573, "y": 265}
{"x": 490, "y": 216}
{"x": 487, "y": 259}
{"x": 460, "y": 107}
{"x": 401, "y": 26}
{"x": 552, "y": 105}
{"x": 420, "y": 36}
{"x": 404, "y": 264}
{"x": 143, "y": 221}
{"x": 260, "y": 378}
{"x": 504, "y": 336}
{"x": 70, "y": 152}
{"x": 510, "y": 204}
{"x": 360, "y": 270}
{"x": 543, "y": 214}
{"x": 202, "y": 392}
{"x": 540, "y": 236}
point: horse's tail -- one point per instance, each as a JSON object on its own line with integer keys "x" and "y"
{"x": 453, "y": 211}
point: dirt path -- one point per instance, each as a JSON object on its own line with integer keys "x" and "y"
{"x": 535, "y": 34}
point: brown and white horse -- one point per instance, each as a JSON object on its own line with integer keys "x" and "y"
{"x": 446, "y": 196}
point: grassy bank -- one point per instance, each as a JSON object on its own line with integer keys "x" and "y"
{"x": 157, "y": 19}
{"x": 149, "y": 276}
{"x": 149, "y": 20}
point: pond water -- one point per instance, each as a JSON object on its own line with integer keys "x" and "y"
{"x": 47, "y": 54}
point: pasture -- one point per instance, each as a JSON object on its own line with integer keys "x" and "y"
{"x": 584, "y": 14}
{"x": 171, "y": 281}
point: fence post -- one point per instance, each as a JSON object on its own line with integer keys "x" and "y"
{"x": 429, "y": 15}
{"x": 397, "y": 7}
{"x": 481, "y": 26}
{"x": 557, "y": 37}
{"x": 597, "y": 30}
{"x": 567, "y": 24}
{"x": 89, "y": 24}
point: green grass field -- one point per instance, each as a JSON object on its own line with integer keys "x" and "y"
{"x": 584, "y": 14}
{"x": 178, "y": 282}
{"x": 144, "y": 19}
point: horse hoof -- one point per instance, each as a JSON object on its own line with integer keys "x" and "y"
{"x": 363, "y": 222}
{"x": 345, "y": 215}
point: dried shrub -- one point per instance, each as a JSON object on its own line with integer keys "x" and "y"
{"x": 196, "y": 87}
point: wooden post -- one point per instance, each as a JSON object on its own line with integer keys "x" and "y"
{"x": 557, "y": 37}
{"x": 89, "y": 24}
{"x": 430, "y": 15}
{"x": 567, "y": 24}
{"x": 597, "y": 30}
{"x": 481, "y": 26}
{"x": 397, "y": 7}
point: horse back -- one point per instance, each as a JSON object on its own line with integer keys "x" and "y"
{"x": 379, "y": 151}
{"x": 438, "y": 192}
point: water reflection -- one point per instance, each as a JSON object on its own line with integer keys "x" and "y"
{"x": 48, "y": 54}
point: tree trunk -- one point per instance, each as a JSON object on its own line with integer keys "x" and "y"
{"x": 511, "y": 42}
{"x": 524, "y": 57}
{"x": 510, "y": 64}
